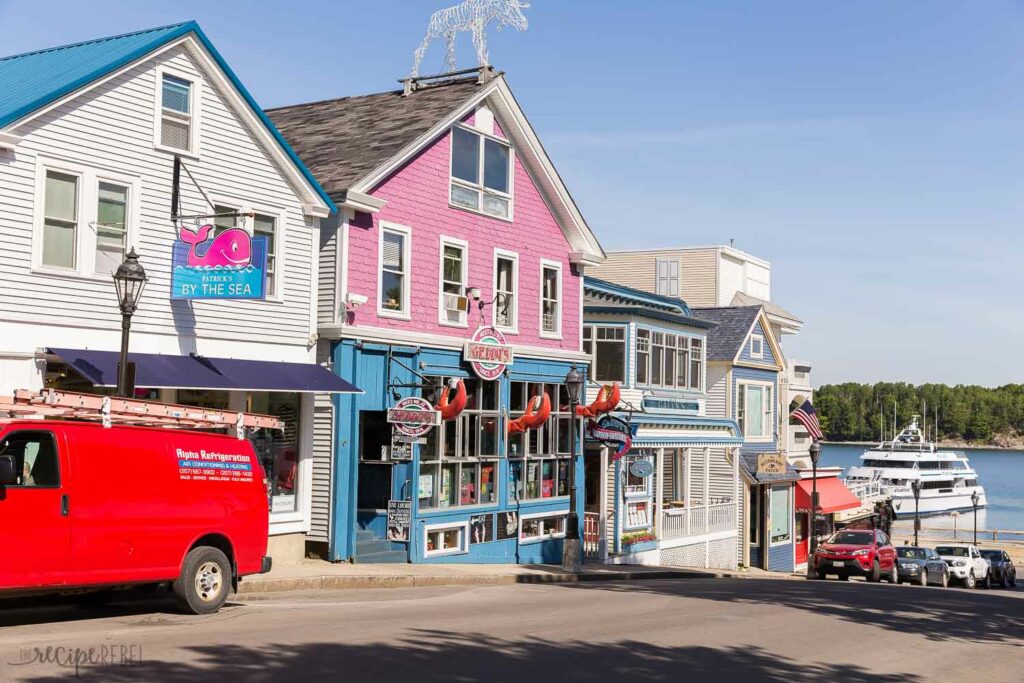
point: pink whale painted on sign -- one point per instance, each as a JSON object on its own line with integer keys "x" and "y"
{"x": 230, "y": 249}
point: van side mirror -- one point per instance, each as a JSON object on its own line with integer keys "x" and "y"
{"x": 8, "y": 470}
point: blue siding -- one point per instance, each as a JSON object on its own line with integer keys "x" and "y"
{"x": 367, "y": 366}
{"x": 780, "y": 558}
{"x": 768, "y": 356}
{"x": 754, "y": 374}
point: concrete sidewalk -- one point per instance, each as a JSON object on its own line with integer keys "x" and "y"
{"x": 318, "y": 575}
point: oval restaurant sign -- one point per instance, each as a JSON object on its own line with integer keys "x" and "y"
{"x": 488, "y": 353}
{"x": 414, "y": 416}
{"x": 642, "y": 468}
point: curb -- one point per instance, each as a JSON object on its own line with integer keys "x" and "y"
{"x": 328, "y": 582}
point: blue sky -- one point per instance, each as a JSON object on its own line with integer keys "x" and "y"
{"x": 872, "y": 151}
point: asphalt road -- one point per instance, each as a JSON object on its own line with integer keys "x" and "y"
{"x": 678, "y": 630}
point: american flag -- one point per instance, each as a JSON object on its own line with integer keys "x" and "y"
{"x": 808, "y": 417}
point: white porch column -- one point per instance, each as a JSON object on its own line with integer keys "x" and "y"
{"x": 686, "y": 487}
{"x": 659, "y": 459}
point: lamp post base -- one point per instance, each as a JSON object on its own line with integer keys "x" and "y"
{"x": 571, "y": 556}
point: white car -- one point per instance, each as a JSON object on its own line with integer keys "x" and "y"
{"x": 966, "y": 564}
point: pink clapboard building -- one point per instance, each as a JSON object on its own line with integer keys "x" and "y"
{"x": 456, "y": 240}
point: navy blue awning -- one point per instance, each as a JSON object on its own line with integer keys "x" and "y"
{"x": 158, "y": 371}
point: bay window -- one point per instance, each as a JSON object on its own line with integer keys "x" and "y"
{"x": 607, "y": 348}
{"x": 459, "y": 461}
{"x": 539, "y": 458}
{"x": 643, "y": 356}
{"x": 668, "y": 360}
{"x": 481, "y": 173}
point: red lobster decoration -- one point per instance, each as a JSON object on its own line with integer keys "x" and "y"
{"x": 450, "y": 409}
{"x": 607, "y": 400}
{"x": 533, "y": 418}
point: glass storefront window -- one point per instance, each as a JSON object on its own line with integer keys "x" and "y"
{"x": 542, "y": 453}
{"x": 278, "y": 450}
{"x": 458, "y": 462}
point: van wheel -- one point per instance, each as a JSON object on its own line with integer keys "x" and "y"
{"x": 205, "y": 581}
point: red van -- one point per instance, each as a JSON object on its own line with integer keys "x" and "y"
{"x": 88, "y": 506}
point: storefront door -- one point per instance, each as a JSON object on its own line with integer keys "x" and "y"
{"x": 802, "y": 536}
{"x": 375, "y": 472}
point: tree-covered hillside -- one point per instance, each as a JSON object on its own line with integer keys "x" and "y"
{"x": 855, "y": 412}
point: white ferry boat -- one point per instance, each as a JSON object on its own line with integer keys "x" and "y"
{"x": 947, "y": 478}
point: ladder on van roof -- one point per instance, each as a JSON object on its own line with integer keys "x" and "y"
{"x": 51, "y": 404}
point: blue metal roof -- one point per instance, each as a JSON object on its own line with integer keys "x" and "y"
{"x": 610, "y": 288}
{"x": 33, "y": 80}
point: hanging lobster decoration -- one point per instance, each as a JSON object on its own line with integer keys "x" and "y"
{"x": 534, "y": 417}
{"x": 450, "y": 409}
{"x": 606, "y": 401}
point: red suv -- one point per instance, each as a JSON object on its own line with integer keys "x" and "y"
{"x": 857, "y": 552}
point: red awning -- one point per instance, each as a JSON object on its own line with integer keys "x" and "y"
{"x": 833, "y": 496}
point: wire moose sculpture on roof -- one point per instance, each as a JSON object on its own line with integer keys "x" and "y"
{"x": 473, "y": 16}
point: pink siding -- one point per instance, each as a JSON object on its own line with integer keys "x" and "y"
{"x": 417, "y": 197}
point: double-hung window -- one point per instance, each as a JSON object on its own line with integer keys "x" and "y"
{"x": 266, "y": 226}
{"x": 643, "y": 356}
{"x": 754, "y": 410}
{"x": 481, "y": 169}
{"x": 111, "y": 226}
{"x": 506, "y": 282}
{"x": 176, "y": 112}
{"x": 607, "y": 347}
{"x": 454, "y": 269}
{"x": 551, "y": 299}
{"x": 394, "y": 271}
{"x": 459, "y": 461}
{"x": 60, "y": 220}
{"x": 539, "y": 458}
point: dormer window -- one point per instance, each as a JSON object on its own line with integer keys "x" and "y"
{"x": 481, "y": 173}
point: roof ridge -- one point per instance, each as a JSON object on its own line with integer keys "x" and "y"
{"x": 397, "y": 91}
{"x": 96, "y": 40}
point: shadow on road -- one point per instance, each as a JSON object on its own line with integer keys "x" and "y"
{"x": 429, "y": 655}
{"x": 937, "y": 614}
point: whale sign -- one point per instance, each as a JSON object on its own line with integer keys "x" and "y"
{"x": 230, "y": 264}
{"x": 488, "y": 353}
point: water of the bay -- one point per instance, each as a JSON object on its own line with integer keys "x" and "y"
{"x": 1000, "y": 472}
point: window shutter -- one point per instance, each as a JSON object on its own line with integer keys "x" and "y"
{"x": 663, "y": 280}
{"x": 673, "y": 278}
{"x": 393, "y": 251}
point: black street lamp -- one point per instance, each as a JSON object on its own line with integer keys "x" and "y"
{"x": 974, "y": 504}
{"x": 130, "y": 280}
{"x": 571, "y": 551}
{"x": 916, "y": 486}
{"x": 815, "y": 453}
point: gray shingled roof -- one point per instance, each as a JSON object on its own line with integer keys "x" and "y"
{"x": 343, "y": 140}
{"x": 748, "y": 461}
{"x": 733, "y": 324}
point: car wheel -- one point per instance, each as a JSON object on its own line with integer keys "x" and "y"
{"x": 945, "y": 579}
{"x": 1013, "y": 580}
{"x": 923, "y": 581}
{"x": 893, "y": 577}
{"x": 205, "y": 581}
{"x": 987, "y": 581}
{"x": 970, "y": 581}
{"x": 876, "y": 573}
{"x": 1004, "y": 581}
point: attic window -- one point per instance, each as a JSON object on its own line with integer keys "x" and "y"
{"x": 756, "y": 346}
{"x": 176, "y": 113}
{"x": 481, "y": 173}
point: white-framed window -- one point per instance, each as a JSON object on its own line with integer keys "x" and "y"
{"x": 481, "y": 173}
{"x": 265, "y": 225}
{"x": 671, "y": 361}
{"x": 756, "y": 346}
{"x": 84, "y": 218}
{"x": 539, "y": 458}
{"x": 266, "y": 222}
{"x": 459, "y": 461}
{"x": 638, "y": 513}
{"x": 506, "y": 289}
{"x": 667, "y": 277}
{"x": 394, "y": 272}
{"x": 781, "y": 511}
{"x": 541, "y": 527}
{"x": 177, "y": 112}
{"x": 550, "y": 299}
{"x": 754, "y": 410}
{"x": 453, "y": 305}
{"x": 445, "y": 539}
{"x": 634, "y": 485}
{"x": 606, "y": 345}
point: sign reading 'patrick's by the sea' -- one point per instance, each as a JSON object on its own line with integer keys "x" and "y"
{"x": 228, "y": 265}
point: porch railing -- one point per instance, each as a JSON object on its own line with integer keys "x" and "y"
{"x": 698, "y": 520}
{"x": 591, "y": 534}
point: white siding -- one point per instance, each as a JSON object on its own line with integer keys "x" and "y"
{"x": 111, "y": 128}
{"x": 323, "y": 459}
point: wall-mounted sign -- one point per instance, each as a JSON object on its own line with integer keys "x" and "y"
{"x": 228, "y": 265}
{"x": 508, "y": 525}
{"x": 771, "y": 463}
{"x": 488, "y": 353}
{"x": 413, "y": 416}
{"x": 401, "y": 448}
{"x": 641, "y": 468}
{"x": 481, "y": 529}
{"x": 613, "y": 432}
{"x": 656, "y": 404}
{"x": 399, "y": 517}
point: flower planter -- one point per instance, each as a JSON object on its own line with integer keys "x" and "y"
{"x": 638, "y": 547}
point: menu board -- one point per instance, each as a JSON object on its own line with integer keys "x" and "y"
{"x": 399, "y": 519}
